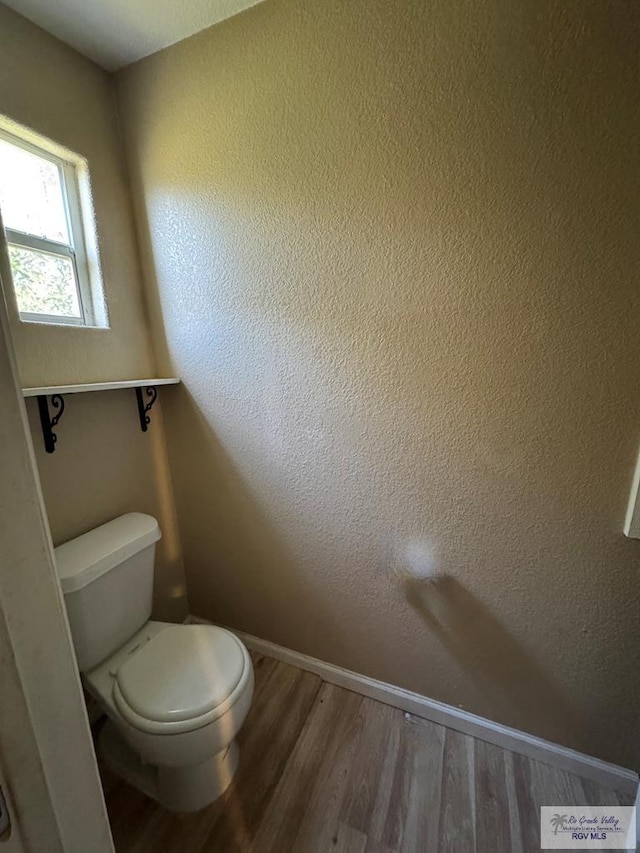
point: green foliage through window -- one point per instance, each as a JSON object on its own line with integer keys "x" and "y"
{"x": 44, "y": 283}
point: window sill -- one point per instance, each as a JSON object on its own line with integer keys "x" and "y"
{"x": 60, "y": 324}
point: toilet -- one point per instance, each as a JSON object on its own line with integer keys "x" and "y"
{"x": 175, "y": 695}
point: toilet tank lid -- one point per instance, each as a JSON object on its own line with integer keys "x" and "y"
{"x": 82, "y": 560}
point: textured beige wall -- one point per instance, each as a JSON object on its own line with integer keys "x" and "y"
{"x": 50, "y": 88}
{"x": 104, "y": 464}
{"x": 395, "y": 246}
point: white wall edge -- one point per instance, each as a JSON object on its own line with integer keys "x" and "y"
{"x": 569, "y": 760}
{"x": 632, "y": 518}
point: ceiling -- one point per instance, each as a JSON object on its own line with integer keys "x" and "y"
{"x": 115, "y": 33}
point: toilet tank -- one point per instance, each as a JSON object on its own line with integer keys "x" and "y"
{"x": 107, "y": 581}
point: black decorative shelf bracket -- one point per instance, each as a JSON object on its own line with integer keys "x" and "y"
{"x": 143, "y": 407}
{"x": 47, "y": 422}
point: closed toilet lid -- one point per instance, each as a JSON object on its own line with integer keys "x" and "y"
{"x": 182, "y": 673}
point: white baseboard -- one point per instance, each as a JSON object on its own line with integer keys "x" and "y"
{"x": 605, "y": 774}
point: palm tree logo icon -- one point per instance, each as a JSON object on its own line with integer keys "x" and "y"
{"x": 557, "y": 821}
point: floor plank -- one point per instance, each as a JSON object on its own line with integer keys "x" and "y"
{"x": 527, "y": 808}
{"x": 457, "y": 812}
{"x": 312, "y": 787}
{"x": 413, "y": 815}
{"x": 366, "y": 770}
{"x": 493, "y": 827}
{"x": 515, "y": 827}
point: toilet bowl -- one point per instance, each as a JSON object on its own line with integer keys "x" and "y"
{"x": 175, "y": 695}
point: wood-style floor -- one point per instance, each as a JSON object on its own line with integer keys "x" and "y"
{"x": 324, "y": 770}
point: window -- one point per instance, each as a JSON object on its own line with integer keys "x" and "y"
{"x": 45, "y": 206}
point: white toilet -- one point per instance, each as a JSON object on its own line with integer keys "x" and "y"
{"x": 175, "y": 695}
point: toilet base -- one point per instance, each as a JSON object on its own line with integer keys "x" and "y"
{"x": 188, "y": 789}
{"x": 178, "y": 789}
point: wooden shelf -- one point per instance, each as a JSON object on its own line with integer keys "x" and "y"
{"x": 48, "y": 421}
{"x": 48, "y": 390}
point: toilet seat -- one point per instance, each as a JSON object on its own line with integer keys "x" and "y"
{"x": 183, "y": 678}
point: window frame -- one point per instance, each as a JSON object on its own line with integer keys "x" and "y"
{"x": 70, "y": 169}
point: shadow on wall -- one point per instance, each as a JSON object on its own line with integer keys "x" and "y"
{"x": 492, "y": 657}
